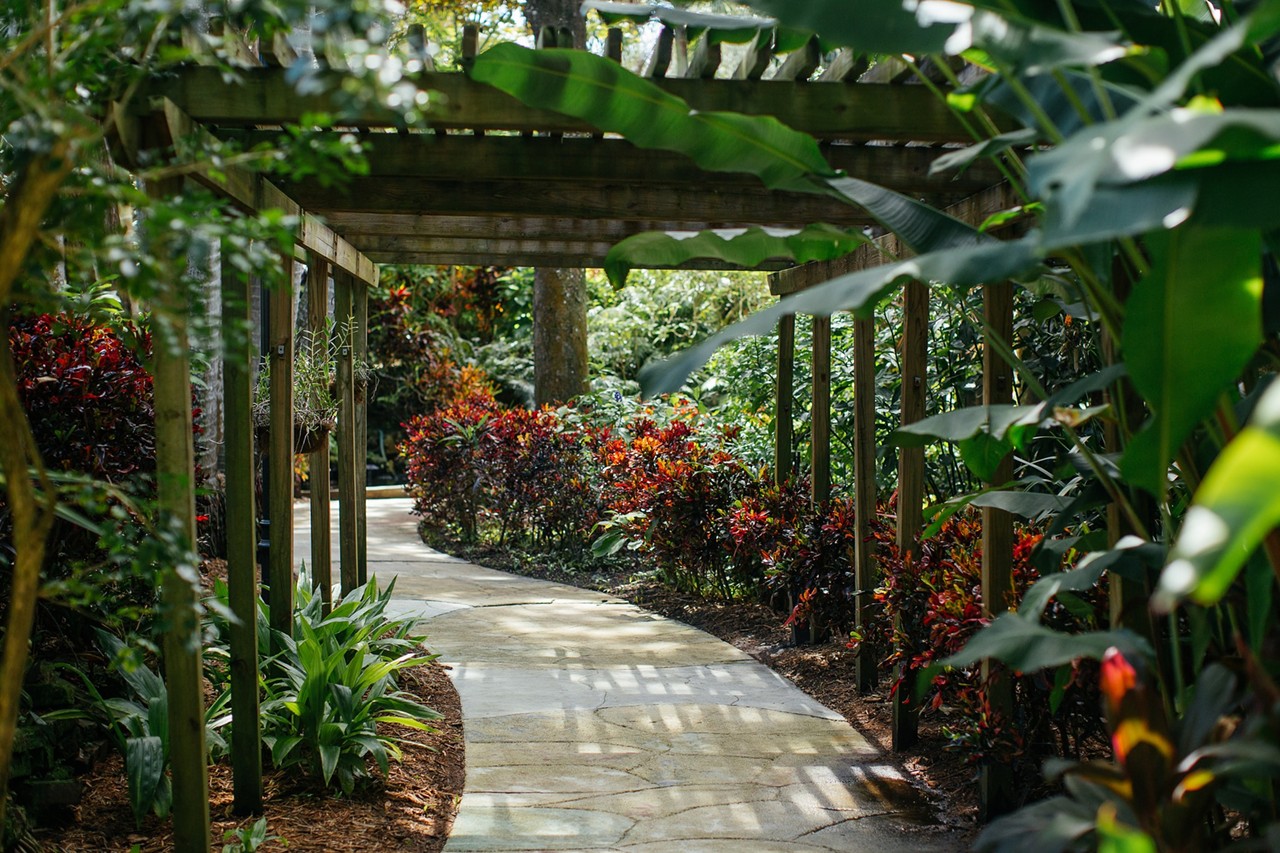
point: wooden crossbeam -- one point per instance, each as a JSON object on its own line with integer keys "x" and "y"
{"x": 660, "y": 59}
{"x": 580, "y": 161}
{"x": 672, "y": 203}
{"x": 756, "y": 60}
{"x": 800, "y": 64}
{"x": 264, "y": 96}
{"x": 483, "y": 256}
{"x": 253, "y": 192}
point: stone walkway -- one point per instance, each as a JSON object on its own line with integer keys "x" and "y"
{"x": 594, "y": 725}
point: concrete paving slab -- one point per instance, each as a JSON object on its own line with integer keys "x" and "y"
{"x": 592, "y": 725}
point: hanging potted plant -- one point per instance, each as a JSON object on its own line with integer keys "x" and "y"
{"x": 315, "y": 410}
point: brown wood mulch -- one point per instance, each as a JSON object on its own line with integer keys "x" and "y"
{"x": 411, "y": 810}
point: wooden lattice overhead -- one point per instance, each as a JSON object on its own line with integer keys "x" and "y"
{"x": 497, "y": 182}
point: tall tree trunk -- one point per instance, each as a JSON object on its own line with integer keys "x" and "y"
{"x": 559, "y": 295}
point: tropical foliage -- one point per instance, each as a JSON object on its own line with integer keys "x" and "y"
{"x": 1140, "y": 141}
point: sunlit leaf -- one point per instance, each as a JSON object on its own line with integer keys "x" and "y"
{"x": 744, "y": 247}
{"x": 1193, "y": 324}
{"x": 1236, "y": 505}
{"x": 1027, "y": 646}
{"x": 875, "y": 26}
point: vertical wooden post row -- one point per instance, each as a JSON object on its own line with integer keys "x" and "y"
{"x": 915, "y": 342}
{"x": 321, "y": 535}
{"x": 785, "y": 388}
{"x": 820, "y": 412}
{"x": 343, "y": 287}
{"x": 280, "y": 418}
{"x": 241, "y": 520}
{"x": 864, "y": 488}
{"x": 360, "y": 357}
{"x": 175, "y": 488}
{"x": 996, "y": 794}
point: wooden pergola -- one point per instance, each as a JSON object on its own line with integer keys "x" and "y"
{"x": 496, "y": 182}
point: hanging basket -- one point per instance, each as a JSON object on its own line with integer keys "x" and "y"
{"x": 307, "y": 438}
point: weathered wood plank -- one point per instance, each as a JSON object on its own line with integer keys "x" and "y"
{"x": 995, "y": 781}
{"x": 705, "y": 60}
{"x": 175, "y": 498}
{"x": 254, "y": 193}
{"x": 343, "y": 312}
{"x": 756, "y": 60}
{"x": 674, "y": 204}
{"x": 848, "y": 64}
{"x": 800, "y": 64}
{"x": 241, "y": 522}
{"x": 280, "y": 453}
{"x": 820, "y": 412}
{"x": 915, "y": 342}
{"x": 660, "y": 59}
{"x": 864, "y": 490}
{"x": 784, "y": 397}
{"x": 613, "y": 44}
{"x": 321, "y": 533}
{"x": 360, "y": 360}
{"x": 578, "y": 160}
{"x": 263, "y": 96}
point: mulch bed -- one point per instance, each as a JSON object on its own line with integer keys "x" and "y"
{"x": 411, "y": 810}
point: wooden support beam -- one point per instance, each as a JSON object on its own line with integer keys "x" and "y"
{"x": 360, "y": 392}
{"x": 280, "y": 454}
{"x": 865, "y": 574}
{"x": 705, "y": 60}
{"x": 915, "y": 355}
{"x": 673, "y": 203}
{"x": 800, "y": 64}
{"x": 613, "y": 44}
{"x": 543, "y": 259}
{"x": 888, "y": 70}
{"x": 175, "y": 498}
{"x": 784, "y": 396}
{"x": 577, "y": 161}
{"x": 848, "y": 64}
{"x": 820, "y": 413}
{"x": 321, "y": 534}
{"x": 470, "y": 44}
{"x": 253, "y": 193}
{"x": 241, "y": 522}
{"x": 265, "y": 96}
{"x": 756, "y": 60}
{"x": 996, "y": 793}
{"x": 660, "y": 59}
{"x": 343, "y": 313}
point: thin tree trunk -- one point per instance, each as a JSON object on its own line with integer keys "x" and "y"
{"x": 32, "y": 514}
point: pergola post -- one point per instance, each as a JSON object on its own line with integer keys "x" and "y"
{"x": 784, "y": 390}
{"x": 864, "y": 488}
{"x": 317, "y": 323}
{"x": 241, "y": 521}
{"x": 280, "y": 455}
{"x": 175, "y": 493}
{"x": 915, "y": 342}
{"x": 343, "y": 287}
{"x": 820, "y": 413}
{"x": 996, "y": 794}
{"x": 360, "y": 356}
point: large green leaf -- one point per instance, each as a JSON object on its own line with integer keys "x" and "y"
{"x": 992, "y": 261}
{"x": 961, "y": 424}
{"x": 744, "y": 247}
{"x": 600, "y": 91}
{"x": 1033, "y": 49}
{"x": 1193, "y": 324}
{"x": 1025, "y": 645}
{"x": 613, "y": 99}
{"x": 144, "y": 767}
{"x": 719, "y": 28}
{"x": 874, "y": 26}
{"x": 1236, "y": 505}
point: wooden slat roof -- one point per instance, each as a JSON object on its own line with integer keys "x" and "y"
{"x": 496, "y": 182}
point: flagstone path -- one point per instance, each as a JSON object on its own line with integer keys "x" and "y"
{"x": 591, "y": 724}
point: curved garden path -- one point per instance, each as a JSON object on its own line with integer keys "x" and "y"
{"x": 594, "y": 725}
